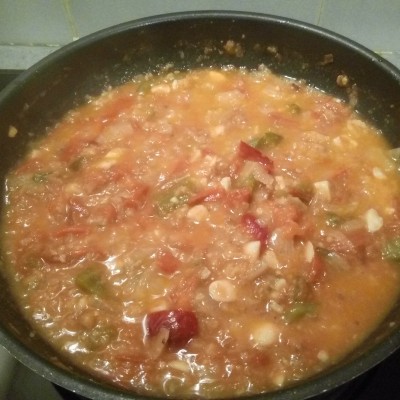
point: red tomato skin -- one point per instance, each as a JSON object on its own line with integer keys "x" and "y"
{"x": 182, "y": 325}
{"x": 138, "y": 197}
{"x": 207, "y": 195}
{"x": 167, "y": 262}
{"x": 239, "y": 196}
{"x": 231, "y": 198}
{"x": 250, "y": 153}
{"x": 71, "y": 230}
{"x": 181, "y": 294}
{"x": 317, "y": 270}
{"x": 254, "y": 229}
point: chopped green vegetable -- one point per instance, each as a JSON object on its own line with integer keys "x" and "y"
{"x": 299, "y": 310}
{"x": 100, "y": 336}
{"x": 91, "y": 280}
{"x": 77, "y": 164}
{"x": 267, "y": 140}
{"x": 391, "y": 250}
{"x": 333, "y": 258}
{"x": 169, "y": 202}
{"x": 34, "y": 262}
{"x": 347, "y": 210}
{"x": 174, "y": 196}
{"x": 322, "y": 251}
{"x": 333, "y": 220}
{"x": 247, "y": 181}
{"x": 145, "y": 86}
{"x": 301, "y": 289}
{"x": 294, "y": 108}
{"x": 40, "y": 177}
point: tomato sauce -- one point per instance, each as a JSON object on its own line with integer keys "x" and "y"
{"x": 208, "y": 233}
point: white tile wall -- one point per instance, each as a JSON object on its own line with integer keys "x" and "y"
{"x": 31, "y": 29}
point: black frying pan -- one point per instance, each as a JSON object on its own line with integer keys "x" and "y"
{"x": 41, "y": 95}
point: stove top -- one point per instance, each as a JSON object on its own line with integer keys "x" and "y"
{"x": 380, "y": 383}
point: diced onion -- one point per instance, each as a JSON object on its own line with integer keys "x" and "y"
{"x": 252, "y": 249}
{"x": 12, "y": 131}
{"x": 323, "y": 356}
{"x": 389, "y": 210}
{"x": 222, "y": 290}
{"x": 275, "y": 306}
{"x": 279, "y": 380}
{"x": 344, "y": 141}
{"x": 226, "y": 182}
{"x": 156, "y": 344}
{"x": 204, "y": 273}
{"x": 260, "y": 174}
{"x": 356, "y": 124}
{"x": 270, "y": 259}
{"x": 174, "y": 200}
{"x": 73, "y": 188}
{"x": 198, "y": 213}
{"x": 179, "y": 365}
{"x": 159, "y": 305}
{"x": 280, "y": 182}
{"x": 115, "y": 153}
{"x": 217, "y": 130}
{"x": 210, "y": 160}
{"x": 264, "y": 334}
{"x": 111, "y": 158}
{"x": 217, "y": 76}
{"x": 280, "y": 284}
{"x": 378, "y": 173}
{"x": 323, "y": 191}
{"x": 161, "y": 89}
{"x": 337, "y": 141}
{"x": 309, "y": 251}
{"x": 373, "y": 220}
{"x": 175, "y": 84}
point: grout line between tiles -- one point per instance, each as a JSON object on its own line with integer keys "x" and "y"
{"x": 14, "y": 44}
{"x": 320, "y": 12}
{"x": 70, "y": 19}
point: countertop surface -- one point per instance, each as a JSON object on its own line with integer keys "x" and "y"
{"x": 32, "y": 29}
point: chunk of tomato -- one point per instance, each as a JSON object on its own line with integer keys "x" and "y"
{"x": 239, "y": 196}
{"x": 255, "y": 229}
{"x": 207, "y": 195}
{"x": 317, "y": 269}
{"x": 181, "y": 324}
{"x": 250, "y": 153}
{"x": 167, "y": 262}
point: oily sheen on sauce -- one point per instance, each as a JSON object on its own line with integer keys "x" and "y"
{"x": 205, "y": 233}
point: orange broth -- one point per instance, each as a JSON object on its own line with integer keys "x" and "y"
{"x": 208, "y": 233}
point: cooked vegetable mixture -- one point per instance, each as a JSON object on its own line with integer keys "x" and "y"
{"x": 206, "y": 233}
